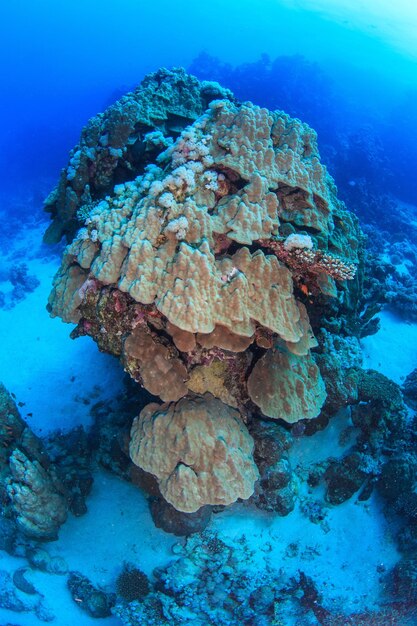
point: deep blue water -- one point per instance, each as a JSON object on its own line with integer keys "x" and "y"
{"x": 63, "y": 62}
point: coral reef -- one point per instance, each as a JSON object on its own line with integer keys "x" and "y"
{"x": 198, "y": 259}
{"x": 344, "y": 478}
{"x": 372, "y": 178}
{"x": 380, "y": 444}
{"x": 360, "y": 150}
{"x": 390, "y": 272}
{"x": 22, "y": 598}
{"x": 93, "y": 601}
{"x": 39, "y": 507}
{"x": 178, "y": 523}
{"x": 30, "y": 486}
{"x": 40, "y": 559}
{"x": 404, "y": 580}
{"x": 209, "y": 253}
{"x": 22, "y": 284}
{"x": 206, "y": 585}
{"x": 276, "y": 488}
{"x": 71, "y": 453}
{"x": 198, "y": 448}
{"x": 339, "y": 359}
{"x": 132, "y": 583}
{"x": 293, "y": 84}
{"x": 287, "y": 386}
{"x": 212, "y": 582}
{"x": 117, "y": 144}
{"x": 410, "y": 389}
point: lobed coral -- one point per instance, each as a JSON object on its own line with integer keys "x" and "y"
{"x": 198, "y": 448}
{"x": 116, "y": 144}
{"x": 195, "y": 272}
{"x": 39, "y": 506}
{"x": 287, "y": 386}
{"x": 33, "y": 495}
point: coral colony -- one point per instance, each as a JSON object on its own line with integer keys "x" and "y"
{"x": 188, "y": 272}
{"x": 208, "y": 252}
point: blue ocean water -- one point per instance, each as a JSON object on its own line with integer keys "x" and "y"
{"x": 61, "y": 66}
{"x": 330, "y": 535}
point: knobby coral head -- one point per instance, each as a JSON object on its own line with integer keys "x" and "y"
{"x": 190, "y": 271}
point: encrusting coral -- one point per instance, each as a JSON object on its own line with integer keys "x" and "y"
{"x": 205, "y": 228}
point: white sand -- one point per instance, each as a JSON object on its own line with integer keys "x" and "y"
{"x": 346, "y": 554}
{"x": 117, "y": 528}
{"x": 393, "y": 350}
{"x": 57, "y": 378}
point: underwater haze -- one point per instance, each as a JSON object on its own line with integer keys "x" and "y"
{"x": 64, "y": 62}
{"x": 208, "y": 313}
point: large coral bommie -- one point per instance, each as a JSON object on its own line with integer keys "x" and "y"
{"x": 204, "y": 232}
